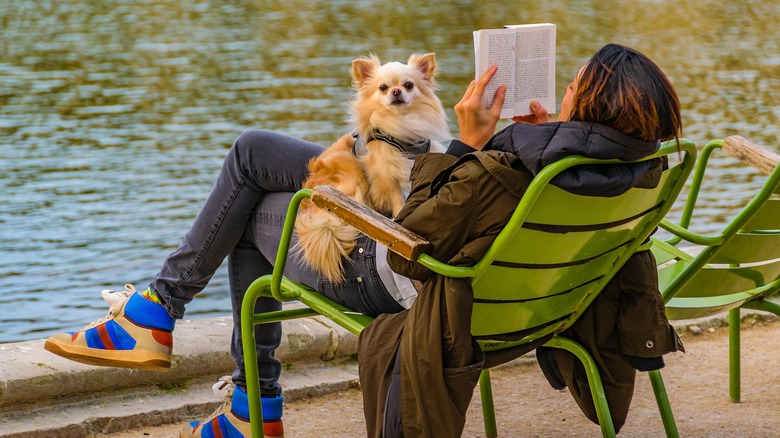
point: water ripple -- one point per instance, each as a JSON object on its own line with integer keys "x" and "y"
{"x": 116, "y": 115}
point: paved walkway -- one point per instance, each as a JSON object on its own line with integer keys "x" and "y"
{"x": 44, "y": 396}
{"x": 527, "y": 407}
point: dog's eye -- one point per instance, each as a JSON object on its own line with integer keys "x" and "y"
{"x": 383, "y": 88}
{"x": 408, "y": 85}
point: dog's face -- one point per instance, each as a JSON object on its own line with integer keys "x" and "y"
{"x": 394, "y": 86}
{"x": 398, "y": 99}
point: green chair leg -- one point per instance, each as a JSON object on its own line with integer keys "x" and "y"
{"x": 250, "y": 366}
{"x": 662, "y": 400}
{"x": 734, "y": 359}
{"x": 594, "y": 382}
{"x": 488, "y": 410}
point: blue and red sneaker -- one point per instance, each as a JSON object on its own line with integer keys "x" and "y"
{"x": 136, "y": 333}
{"x": 232, "y": 418}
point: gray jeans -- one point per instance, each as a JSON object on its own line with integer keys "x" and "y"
{"x": 242, "y": 219}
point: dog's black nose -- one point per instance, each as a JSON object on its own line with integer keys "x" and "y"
{"x": 397, "y": 92}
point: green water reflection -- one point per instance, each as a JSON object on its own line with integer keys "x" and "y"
{"x": 115, "y": 115}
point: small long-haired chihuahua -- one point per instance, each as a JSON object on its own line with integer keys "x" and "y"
{"x": 396, "y": 116}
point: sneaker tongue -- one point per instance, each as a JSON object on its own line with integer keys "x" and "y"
{"x": 113, "y": 296}
{"x": 224, "y": 388}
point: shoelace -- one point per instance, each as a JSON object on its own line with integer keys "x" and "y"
{"x": 115, "y": 299}
{"x": 223, "y": 389}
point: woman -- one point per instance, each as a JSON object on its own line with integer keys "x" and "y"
{"x": 418, "y": 368}
{"x": 242, "y": 220}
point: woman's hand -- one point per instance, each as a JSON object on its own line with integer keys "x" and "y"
{"x": 539, "y": 115}
{"x": 477, "y": 125}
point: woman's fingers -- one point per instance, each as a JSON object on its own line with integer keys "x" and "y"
{"x": 498, "y": 103}
{"x": 475, "y": 90}
{"x": 469, "y": 91}
{"x": 478, "y": 124}
{"x": 483, "y": 81}
{"x": 540, "y": 112}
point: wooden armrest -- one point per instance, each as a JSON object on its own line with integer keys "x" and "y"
{"x": 750, "y": 153}
{"x": 385, "y": 231}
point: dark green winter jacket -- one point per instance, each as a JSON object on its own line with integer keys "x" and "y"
{"x": 460, "y": 204}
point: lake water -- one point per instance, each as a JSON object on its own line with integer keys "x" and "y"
{"x": 115, "y": 115}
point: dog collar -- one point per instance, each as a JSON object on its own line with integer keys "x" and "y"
{"x": 409, "y": 149}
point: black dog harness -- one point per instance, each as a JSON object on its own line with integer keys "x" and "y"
{"x": 409, "y": 149}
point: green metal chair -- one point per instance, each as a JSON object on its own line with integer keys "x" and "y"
{"x": 517, "y": 287}
{"x": 739, "y": 267}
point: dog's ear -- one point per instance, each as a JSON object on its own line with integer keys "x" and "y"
{"x": 425, "y": 64}
{"x": 363, "y": 69}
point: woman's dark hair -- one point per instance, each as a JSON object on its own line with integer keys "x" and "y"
{"x": 625, "y": 90}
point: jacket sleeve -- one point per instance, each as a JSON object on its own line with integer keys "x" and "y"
{"x": 444, "y": 219}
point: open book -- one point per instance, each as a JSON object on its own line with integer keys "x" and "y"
{"x": 525, "y": 55}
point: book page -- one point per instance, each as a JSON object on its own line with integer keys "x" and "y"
{"x": 497, "y": 47}
{"x": 525, "y": 55}
{"x": 535, "y": 67}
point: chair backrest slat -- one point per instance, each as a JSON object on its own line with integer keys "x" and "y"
{"x": 571, "y": 248}
{"x": 746, "y": 248}
{"x": 590, "y": 209}
{"x": 767, "y": 218}
{"x": 717, "y": 280}
{"x": 568, "y": 288}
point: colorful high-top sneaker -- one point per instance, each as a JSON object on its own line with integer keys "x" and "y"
{"x": 136, "y": 333}
{"x": 232, "y": 418}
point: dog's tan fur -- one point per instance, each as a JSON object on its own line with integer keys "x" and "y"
{"x": 386, "y": 102}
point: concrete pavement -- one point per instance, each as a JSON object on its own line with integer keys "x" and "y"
{"x": 43, "y": 395}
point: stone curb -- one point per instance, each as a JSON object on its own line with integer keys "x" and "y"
{"x": 30, "y": 374}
